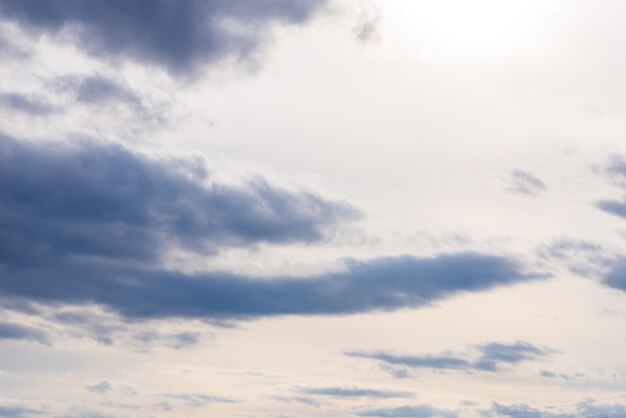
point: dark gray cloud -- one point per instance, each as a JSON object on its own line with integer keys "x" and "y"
{"x": 614, "y": 207}
{"x": 102, "y": 386}
{"x": 24, "y": 103}
{"x": 355, "y": 392}
{"x": 11, "y": 331}
{"x": 178, "y": 35}
{"x": 616, "y": 276}
{"x": 381, "y": 284}
{"x": 88, "y": 223}
{"x": 524, "y": 182}
{"x": 490, "y": 356}
{"x": 62, "y": 202}
{"x": 409, "y": 411}
{"x": 443, "y": 362}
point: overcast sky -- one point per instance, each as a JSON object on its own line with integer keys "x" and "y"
{"x": 312, "y": 208}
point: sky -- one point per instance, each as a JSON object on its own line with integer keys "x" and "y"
{"x": 312, "y": 208}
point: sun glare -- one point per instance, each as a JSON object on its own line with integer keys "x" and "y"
{"x": 479, "y": 26}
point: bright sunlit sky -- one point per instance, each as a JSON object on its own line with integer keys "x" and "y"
{"x": 312, "y": 208}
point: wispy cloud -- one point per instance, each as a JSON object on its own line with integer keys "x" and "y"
{"x": 197, "y": 399}
{"x": 524, "y": 182}
{"x": 355, "y": 392}
{"x": 490, "y": 356}
{"x": 102, "y": 386}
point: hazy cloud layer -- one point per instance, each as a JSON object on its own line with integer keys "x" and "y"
{"x": 178, "y": 35}
{"x": 491, "y": 356}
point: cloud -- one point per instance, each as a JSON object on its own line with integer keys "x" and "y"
{"x": 614, "y": 207}
{"x": 442, "y": 362}
{"x": 491, "y": 356}
{"x": 90, "y": 224}
{"x": 519, "y": 410}
{"x": 584, "y": 258}
{"x": 8, "y": 49}
{"x": 583, "y": 375}
{"x": 185, "y": 339}
{"x": 11, "y": 331}
{"x": 367, "y": 28}
{"x": 524, "y": 182}
{"x": 23, "y": 103}
{"x": 585, "y": 408}
{"x": 197, "y": 399}
{"x": 98, "y": 326}
{"x": 179, "y": 340}
{"x": 61, "y": 202}
{"x": 355, "y": 392}
{"x": 8, "y": 411}
{"x": 84, "y": 412}
{"x": 380, "y": 284}
{"x": 616, "y": 275}
{"x": 494, "y": 353}
{"x": 298, "y": 399}
{"x": 616, "y": 171}
{"x": 416, "y": 411}
{"x": 102, "y": 386}
{"x": 97, "y": 89}
{"x": 177, "y": 35}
